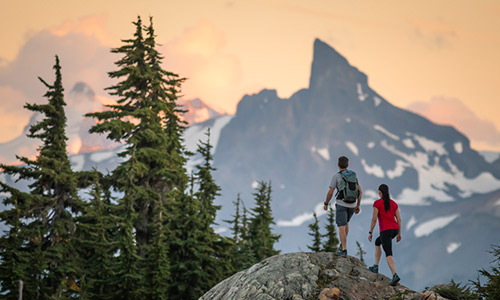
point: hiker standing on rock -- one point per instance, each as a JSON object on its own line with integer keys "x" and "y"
{"x": 348, "y": 199}
{"x": 389, "y": 223}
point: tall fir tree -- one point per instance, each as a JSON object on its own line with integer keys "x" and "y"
{"x": 146, "y": 119}
{"x": 218, "y": 264}
{"x": 260, "y": 236}
{"x": 41, "y": 247}
{"x": 332, "y": 242}
{"x": 314, "y": 232}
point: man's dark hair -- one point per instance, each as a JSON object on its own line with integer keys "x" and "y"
{"x": 343, "y": 162}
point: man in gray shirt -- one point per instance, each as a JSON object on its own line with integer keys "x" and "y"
{"x": 343, "y": 210}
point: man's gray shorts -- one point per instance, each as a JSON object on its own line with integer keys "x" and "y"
{"x": 343, "y": 214}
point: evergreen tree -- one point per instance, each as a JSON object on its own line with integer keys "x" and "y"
{"x": 491, "y": 289}
{"x": 260, "y": 236}
{"x": 187, "y": 248}
{"x": 332, "y": 241}
{"x": 96, "y": 230}
{"x": 39, "y": 247}
{"x": 236, "y": 222}
{"x": 157, "y": 262}
{"x": 146, "y": 119}
{"x": 127, "y": 266}
{"x": 314, "y": 232}
{"x": 217, "y": 260}
{"x": 360, "y": 252}
{"x": 245, "y": 257}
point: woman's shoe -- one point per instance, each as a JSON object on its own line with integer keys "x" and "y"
{"x": 373, "y": 268}
{"x": 395, "y": 280}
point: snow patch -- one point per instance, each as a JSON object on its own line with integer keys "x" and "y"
{"x": 361, "y": 96}
{"x": 220, "y": 230}
{"x": 352, "y": 147}
{"x": 434, "y": 181}
{"x": 458, "y": 147}
{"x": 386, "y": 132}
{"x": 77, "y": 162}
{"x": 255, "y": 184}
{"x": 302, "y": 218}
{"x": 323, "y": 152}
{"x": 430, "y": 145}
{"x": 375, "y": 170}
{"x": 409, "y": 143}
{"x": 498, "y": 202}
{"x": 429, "y": 227}
{"x": 100, "y": 156}
{"x": 348, "y": 120}
{"x": 452, "y": 247}
{"x": 410, "y": 223}
{"x": 398, "y": 170}
{"x": 490, "y": 156}
{"x": 196, "y": 132}
{"x": 282, "y": 186}
{"x": 371, "y": 145}
{"x": 377, "y": 101}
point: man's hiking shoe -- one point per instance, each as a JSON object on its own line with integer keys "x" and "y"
{"x": 373, "y": 268}
{"x": 395, "y": 280}
{"x": 342, "y": 253}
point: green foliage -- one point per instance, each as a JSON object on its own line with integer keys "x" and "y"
{"x": 455, "y": 291}
{"x": 94, "y": 240}
{"x": 146, "y": 119}
{"x": 260, "y": 237}
{"x": 491, "y": 289}
{"x": 360, "y": 252}
{"x": 236, "y": 221}
{"x": 246, "y": 257}
{"x": 187, "y": 248}
{"x": 332, "y": 241}
{"x": 314, "y": 232}
{"x": 39, "y": 247}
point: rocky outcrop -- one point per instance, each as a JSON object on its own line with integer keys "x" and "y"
{"x": 305, "y": 276}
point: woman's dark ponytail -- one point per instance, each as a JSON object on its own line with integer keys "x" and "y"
{"x": 385, "y": 196}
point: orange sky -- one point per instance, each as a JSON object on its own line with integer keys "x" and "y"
{"x": 422, "y": 51}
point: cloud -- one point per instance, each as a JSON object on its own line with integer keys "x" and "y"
{"x": 14, "y": 116}
{"x": 93, "y": 26}
{"x": 198, "y": 54}
{"x": 450, "y": 111}
{"x": 83, "y": 57}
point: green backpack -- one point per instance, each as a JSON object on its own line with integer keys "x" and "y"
{"x": 349, "y": 192}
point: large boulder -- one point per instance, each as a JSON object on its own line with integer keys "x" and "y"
{"x": 306, "y": 276}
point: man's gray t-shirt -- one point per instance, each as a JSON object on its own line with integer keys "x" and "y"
{"x": 338, "y": 183}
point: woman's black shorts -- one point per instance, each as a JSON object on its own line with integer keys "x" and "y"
{"x": 385, "y": 239}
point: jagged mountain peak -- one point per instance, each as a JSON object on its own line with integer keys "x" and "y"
{"x": 330, "y": 68}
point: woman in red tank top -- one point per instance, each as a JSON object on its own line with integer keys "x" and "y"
{"x": 386, "y": 211}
